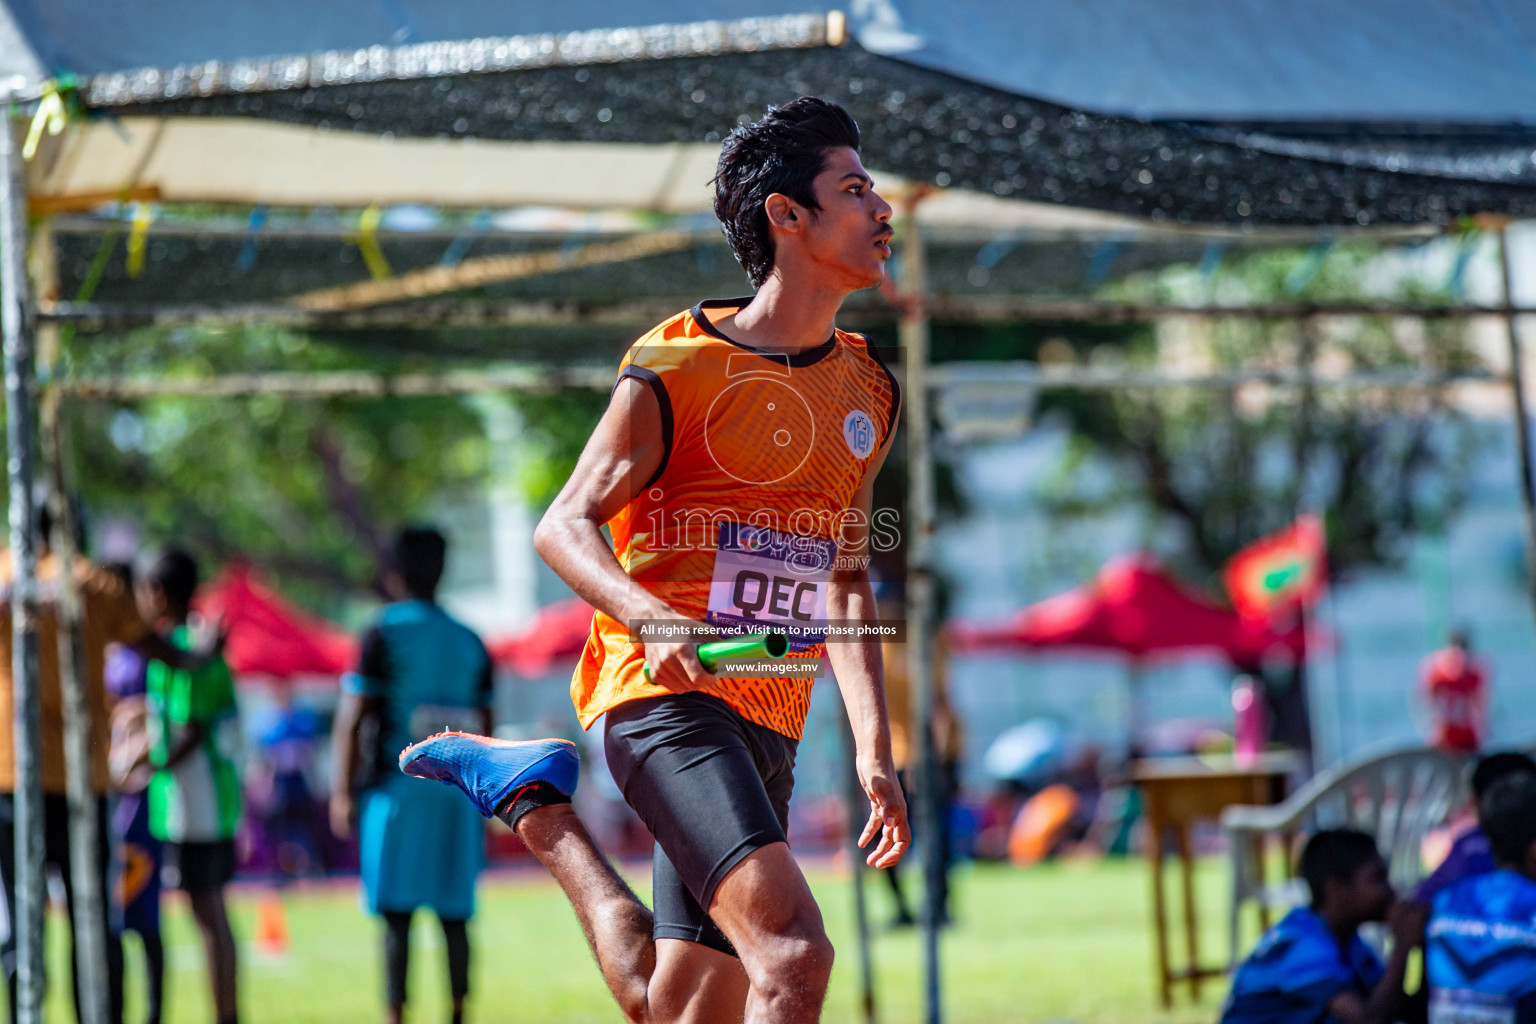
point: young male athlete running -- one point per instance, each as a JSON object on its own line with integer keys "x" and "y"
{"x": 734, "y": 470}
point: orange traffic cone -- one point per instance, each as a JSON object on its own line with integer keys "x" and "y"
{"x": 271, "y": 926}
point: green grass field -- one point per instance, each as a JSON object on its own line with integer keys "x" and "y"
{"x": 1063, "y": 942}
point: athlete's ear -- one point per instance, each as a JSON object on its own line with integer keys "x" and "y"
{"x": 782, "y": 212}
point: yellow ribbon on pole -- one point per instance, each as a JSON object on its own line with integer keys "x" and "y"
{"x": 52, "y": 114}
{"x": 368, "y": 242}
{"x": 138, "y": 237}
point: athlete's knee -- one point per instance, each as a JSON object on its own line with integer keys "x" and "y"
{"x": 809, "y": 953}
{"x": 768, "y": 912}
{"x": 795, "y": 963}
{"x": 207, "y": 906}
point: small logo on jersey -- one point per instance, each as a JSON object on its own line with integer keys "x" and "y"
{"x": 859, "y": 432}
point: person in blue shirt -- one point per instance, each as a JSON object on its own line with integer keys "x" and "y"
{"x": 420, "y": 671}
{"x": 1313, "y": 967}
{"x": 1480, "y": 953}
{"x": 1471, "y": 854}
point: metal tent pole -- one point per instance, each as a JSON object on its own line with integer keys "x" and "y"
{"x": 1522, "y": 418}
{"x": 913, "y": 333}
{"x": 16, "y": 315}
{"x": 89, "y": 903}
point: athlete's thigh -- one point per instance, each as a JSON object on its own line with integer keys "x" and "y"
{"x": 694, "y": 984}
{"x": 764, "y": 901}
{"x": 683, "y": 764}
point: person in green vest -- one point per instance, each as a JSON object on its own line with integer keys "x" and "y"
{"x": 194, "y": 794}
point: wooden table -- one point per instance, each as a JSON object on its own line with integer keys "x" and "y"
{"x": 1177, "y": 793}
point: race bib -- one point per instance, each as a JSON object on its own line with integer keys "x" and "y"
{"x": 1464, "y": 1006}
{"x": 765, "y": 579}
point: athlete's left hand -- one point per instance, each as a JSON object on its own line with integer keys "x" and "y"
{"x": 887, "y": 815}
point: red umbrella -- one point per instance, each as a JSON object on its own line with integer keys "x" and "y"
{"x": 1134, "y": 606}
{"x": 557, "y": 632}
{"x": 270, "y": 637}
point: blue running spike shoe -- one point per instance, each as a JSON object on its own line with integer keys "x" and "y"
{"x": 490, "y": 770}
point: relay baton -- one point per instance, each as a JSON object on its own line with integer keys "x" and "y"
{"x": 753, "y": 645}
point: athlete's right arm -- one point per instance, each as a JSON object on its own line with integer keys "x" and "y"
{"x": 622, "y": 454}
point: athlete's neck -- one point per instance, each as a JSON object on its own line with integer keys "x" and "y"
{"x": 785, "y": 319}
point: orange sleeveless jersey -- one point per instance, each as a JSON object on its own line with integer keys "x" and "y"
{"x": 754, "y": 441}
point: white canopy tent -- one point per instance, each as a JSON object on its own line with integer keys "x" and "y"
{"x": 249, "y": 162}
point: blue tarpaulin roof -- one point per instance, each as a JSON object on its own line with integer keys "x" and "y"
{"x": 1470, "y": 62}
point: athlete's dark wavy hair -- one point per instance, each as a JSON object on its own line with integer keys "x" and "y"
{"x": 782, "y": 153}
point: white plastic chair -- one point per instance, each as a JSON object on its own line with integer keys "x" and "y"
{"x": 1397, "y": 793}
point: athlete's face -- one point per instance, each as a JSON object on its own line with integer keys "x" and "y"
{"x": 848, "y": 239}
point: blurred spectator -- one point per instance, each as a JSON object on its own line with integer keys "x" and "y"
{"x": 139, "y": 852}
{"x": 1313, "y": 967}
{"x": 292, "y": 817}
{"x": 423, "y": 845}
{"x": 194, "y": 794}
{"x": 1471, "y": 853}
{"x": 1480, "y": 958}
{"x": 108, "y": 615}
{"x": 1117, "y": 813}
{"x": 1456, "y": 692}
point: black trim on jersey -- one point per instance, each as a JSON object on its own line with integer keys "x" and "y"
{"x": 890, "y": 419}
{"x": 807, "y": 358}
{"x": 660, "y": 391}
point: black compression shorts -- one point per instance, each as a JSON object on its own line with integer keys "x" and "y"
{"x": 711, "y": 786}
{"x": 199, "y": 867}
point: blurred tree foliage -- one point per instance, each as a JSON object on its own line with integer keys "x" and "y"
{"x": 555, "y": 428}
{"x": 1214, "y": 468}
{"x": 309, "y": 489}
{"x": 1228, "y": 465}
